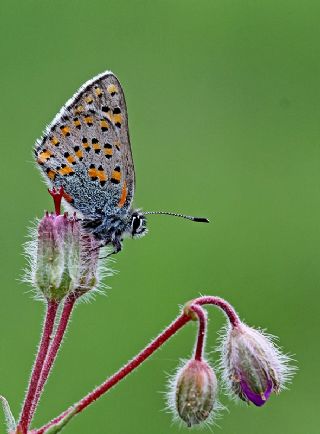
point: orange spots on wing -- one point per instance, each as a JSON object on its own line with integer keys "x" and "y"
{"x": 116, "y": 175}
{"x": 88, "y": 120}
{"x": 79, "y": 109}
{"x": 104, "y": 125}
{"x": 108, "y": 150}
{"x": 97, "y": 174}
{"x": 71, "y": 159}
{"x": 65, "y": 130}
{"x": 116, "y": 119}
{"x": 51, "y": 174}
{"x": 92, "y": 172}
{"x": 85, "y": 144}
{"x": 65, "y": 170}
{"x": 112, "y": 89}
{"x": 124, "y": 194}
{"x": 88, "y": 99}
{"x": 79, "y": 153}
{"x": 77, "y": 123}
{"x": 98, "y": 91}
{"x": 102, "y": 175}
{"x": 44, "y": 156}
{"x": 54, "y": 141}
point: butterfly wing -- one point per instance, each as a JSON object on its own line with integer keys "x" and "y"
{"x": 86, "y": 149}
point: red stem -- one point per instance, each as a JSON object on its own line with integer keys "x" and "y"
{"x": 202, "y": 321}
{"x": 222, "y": 304}
{"x": 124, "y": 371}
{"x": 51, "y": 312}
{"x": 53, "y": 350}
{"x": 151, "y": 348}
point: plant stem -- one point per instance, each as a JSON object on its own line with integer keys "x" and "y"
{"x": 51, "y": 312}
{"x": 53, "y": 350}
{"x": 179, "y": 322}
{"x": 192, "y": 307}
{"x": 222, "y": 304}
{"x": 202, "y": 320}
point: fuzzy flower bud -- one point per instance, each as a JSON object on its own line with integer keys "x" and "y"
{"x": 193, "y": 392}
{"x": 253, "y": 366}
{"x": 64, "y": 259}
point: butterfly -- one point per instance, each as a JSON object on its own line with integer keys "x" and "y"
{"x": 85, "y": 151}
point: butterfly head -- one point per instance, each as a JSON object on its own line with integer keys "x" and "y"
{"x": 138, "y": 225}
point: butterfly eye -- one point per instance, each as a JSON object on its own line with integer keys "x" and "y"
{"x": 135, "y": 224}
{"x": 138, "y": 224}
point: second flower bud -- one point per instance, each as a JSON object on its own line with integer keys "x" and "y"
{"x": 193, "y": 392}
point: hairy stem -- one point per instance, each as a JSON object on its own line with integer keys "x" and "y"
{"x": 48, "y": 325}
{"x": 193, "y": 308}
{"x": 53, "y": 350}
{"x": 222, "y": 304}
{"x": 179, "y": 322}
{"x": 202, "y": 320}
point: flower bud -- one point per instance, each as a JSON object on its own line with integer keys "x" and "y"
{"x": 253, "y": 367}
{"x": 88, "y": 262}
{"x": 194, "y": 391}
{"x": 64, "y": 259}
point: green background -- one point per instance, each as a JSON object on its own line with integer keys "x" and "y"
{"x": 224, "y": 104}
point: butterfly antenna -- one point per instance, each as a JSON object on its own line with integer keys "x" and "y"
{"x": 188, "y": 217}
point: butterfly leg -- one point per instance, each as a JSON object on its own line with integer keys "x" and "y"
{"x": 116, "y": 245}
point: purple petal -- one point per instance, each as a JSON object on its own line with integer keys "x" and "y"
{"x": 256, "y": 398}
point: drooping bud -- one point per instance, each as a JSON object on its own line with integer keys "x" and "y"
{"x": 193, "y": 393}
{"x": 253, "y": 366}
{"x": 64, "y": 258}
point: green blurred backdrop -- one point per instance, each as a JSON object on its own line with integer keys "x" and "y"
{"x": 223, "y": 100}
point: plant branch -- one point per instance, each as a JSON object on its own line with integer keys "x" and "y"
{"x": 222, "y": 304}
{"x": 192, "y": 311}
{"x": 179, "y": 322}
{"x": 202, "y": 321}
{"x": 53, "y": 350}
{"x": 48, "y": 325}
